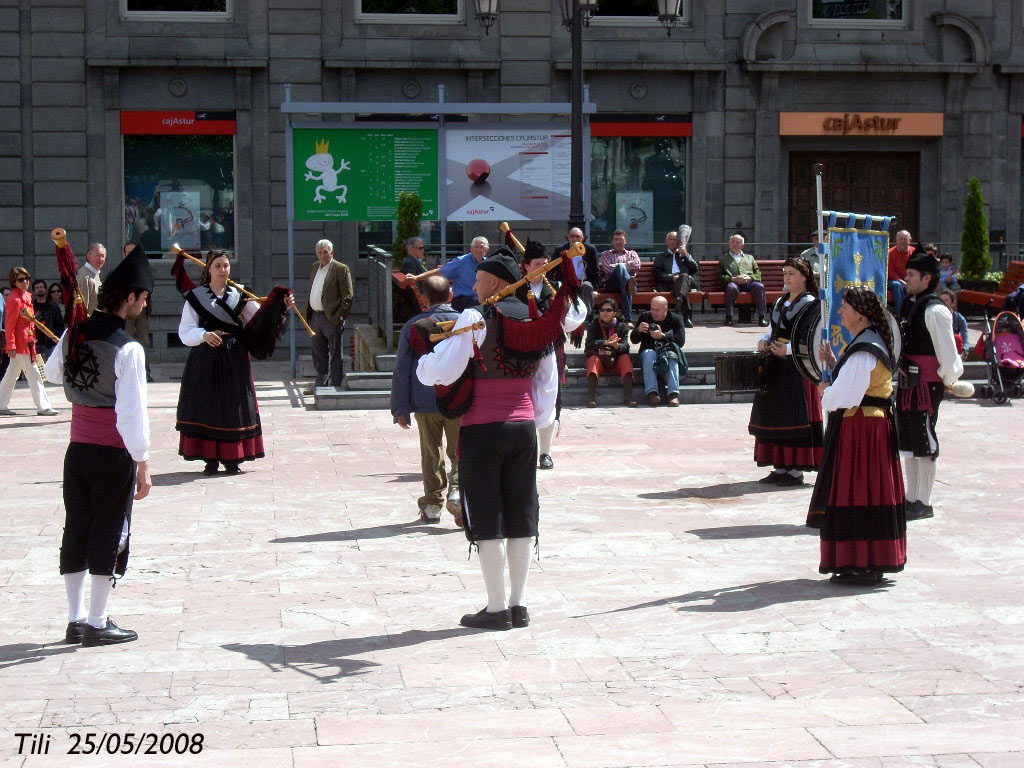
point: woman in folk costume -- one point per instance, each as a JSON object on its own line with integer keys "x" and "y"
{"x": 537, "y": 295}
{"x": 218, "y": 416}
{"x": 20, "y": 344}
{"x": 858, "y": 501}
{"x": 785, "y": 419}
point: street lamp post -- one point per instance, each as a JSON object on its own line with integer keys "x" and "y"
{"x": 575, "y": 15}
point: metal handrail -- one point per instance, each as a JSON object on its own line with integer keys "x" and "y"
{"x": 378, "y": 293}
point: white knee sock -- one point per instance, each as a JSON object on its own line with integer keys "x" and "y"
{"x": 925, "y": 480}
{"x": 518, "y": 569}
{"x": 544, "y": 437}
{"x": 99, "y": 597}
{"x": 74, "y": 584}
{"x": 796, "y": 473}
{"x": 492, "y": 563}
{"x": 910, "y": 467}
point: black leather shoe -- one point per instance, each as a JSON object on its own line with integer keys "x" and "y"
{"x": 762, "y": 322}
{"x": 788, "y": 480}
{"x": 918, "y": 511}
{"x": 520, "y": 616}
{"x": 109, "y": 635}
{"x": 546, "y": 462}
{"x": 484, "y": 620}
{"x": 210, "y": 468}
{"x": 233, "y": 468}
{"x": 73, "y": 634}
{"x": 688, "y": 322}
{"x": 770, "y": 479}
{"x": 728, "y": 321}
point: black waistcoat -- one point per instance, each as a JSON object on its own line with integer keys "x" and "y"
{"x": 916, "y": 339}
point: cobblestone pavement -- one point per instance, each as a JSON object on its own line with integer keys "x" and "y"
{"x": 301, "y": 615}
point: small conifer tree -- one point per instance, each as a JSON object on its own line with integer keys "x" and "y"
{"x": 408, "y": 214}
{"x": 976, "y": 259}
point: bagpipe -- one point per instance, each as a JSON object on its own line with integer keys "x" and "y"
{"x": 530, "y": 338}
{"x": 262, "y": 332}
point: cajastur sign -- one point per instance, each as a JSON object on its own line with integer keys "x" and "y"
{"x": 871, "y": 124}
{"x": 858, "y": 124}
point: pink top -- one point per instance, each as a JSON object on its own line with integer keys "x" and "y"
{"x": 500, "y": 400}
{"x": 96, "y": 426}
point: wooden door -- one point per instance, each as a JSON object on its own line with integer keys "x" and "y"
{"x": 879, "y": 183}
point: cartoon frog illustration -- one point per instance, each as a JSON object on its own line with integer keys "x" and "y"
{"x": 323, "y": 163}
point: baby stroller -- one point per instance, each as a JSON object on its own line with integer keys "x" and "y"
{"x": 1002, "y": 347}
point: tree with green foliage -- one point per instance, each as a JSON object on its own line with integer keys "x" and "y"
{"x": 409, "y": 214}
{"x": 976, "y": 259}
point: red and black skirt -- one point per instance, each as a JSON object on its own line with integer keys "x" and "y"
{"x": 218, "y": 416}
{"x": 858, "y": 501}
{"x": 785, "y": 419}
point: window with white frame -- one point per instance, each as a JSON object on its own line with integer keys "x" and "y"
{"x": 866, "y": 11}
{"x": 630, "y": 13}
{"x": 409, "y": 11}
{"x": 177, "y": 10}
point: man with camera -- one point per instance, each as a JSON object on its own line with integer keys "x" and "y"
{"x": 661, "y": 335}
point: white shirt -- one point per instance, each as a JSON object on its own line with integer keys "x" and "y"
{"x": 849, "y": 388}
{"x": 939, "y": 322}
{"x": 580, "y": 266}
{"x": 130, "y": 394}
{"x": 316, "y": 293}
{"x": 191, "y": 332}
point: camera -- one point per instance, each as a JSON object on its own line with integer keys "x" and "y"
{"x": 652, "y": 327}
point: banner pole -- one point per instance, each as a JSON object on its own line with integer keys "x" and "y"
{"x": 826, "y": 375}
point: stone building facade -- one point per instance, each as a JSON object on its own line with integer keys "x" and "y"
{"x": 901, "y": 112}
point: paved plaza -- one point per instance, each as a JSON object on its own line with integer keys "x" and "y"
{"x": 301, "y": 615}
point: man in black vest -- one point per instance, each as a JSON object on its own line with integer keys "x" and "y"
{"x": 929, "y": 368}
{"x": 105, "y": 467}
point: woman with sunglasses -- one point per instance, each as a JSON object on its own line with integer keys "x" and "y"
{"x": 20, "y": 337}
{"x": 57, "y": 295}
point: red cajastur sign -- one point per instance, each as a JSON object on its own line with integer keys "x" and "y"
{"x": 201, "y": 123}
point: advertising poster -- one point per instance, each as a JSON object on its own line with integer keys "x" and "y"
{"x": 507, "y": 173}
{"x": 357, "y": 174}
{"x": 178, "y": 218}
{"x": 634, "y": 214}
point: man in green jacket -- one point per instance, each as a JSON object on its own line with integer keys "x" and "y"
{"x": 737, "y": 271}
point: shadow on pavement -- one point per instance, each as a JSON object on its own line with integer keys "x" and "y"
{"x": 28, "y": 653}
{"x": 328, "y": 660}
{"x": 376, "y": 532}
{"x": 753, "y": 531}
{"x": 750, "y": 597}
{"x": 177, "y": 478}
{"x": 407, "y": 477}
{"x": 719, "y": 491}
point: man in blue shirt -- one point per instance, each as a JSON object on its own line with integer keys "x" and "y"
{"x": 461, "y": 272}
{"x": 409, "y": 396}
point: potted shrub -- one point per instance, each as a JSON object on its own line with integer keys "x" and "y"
{"x": 976, "y": 260}
{"x": 408, "y": 215}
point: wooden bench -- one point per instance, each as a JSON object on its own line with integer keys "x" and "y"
{"x": 1012, "y": 278}
{"x": 645, "y": 290}
{"x": 412, "y": 293}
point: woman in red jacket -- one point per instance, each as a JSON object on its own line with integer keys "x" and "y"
{"x": 20, "y": 336}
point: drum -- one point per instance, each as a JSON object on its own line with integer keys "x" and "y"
{"x": 739, "y": 373}
{"x": 807, "y": 339}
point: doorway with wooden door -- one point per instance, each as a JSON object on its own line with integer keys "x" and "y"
{"x": 879, "y": 183}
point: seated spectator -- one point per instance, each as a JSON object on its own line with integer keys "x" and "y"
{"x": 607, "y": 351}
{"x": 586, "y": 268}
{"x": 899, "y": 254}
{"x": 415, "y": 251}
{"x": 1014, "y": 301}
{"x": 676, "y": 270}
{"x": 57, "y": 296}
{"x": 661, "y": 335}
{"x": 738, "y": 271}
{"x": 959, "y": 322}
{"x": 948, "y": 274}
{"x": 619, "y": 269}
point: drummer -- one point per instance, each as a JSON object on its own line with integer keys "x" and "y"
{"x": 786, "y": 419}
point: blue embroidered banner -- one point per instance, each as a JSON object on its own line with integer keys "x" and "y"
{"x": 856, "y": 256}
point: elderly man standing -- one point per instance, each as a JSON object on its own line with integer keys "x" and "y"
{"x": 88, "y": 277}
{"x": 461, "y": 272}
{"x": 661, "y": 335}
{"x": 409, "y": 396}
{"x": 738, "y": 271}
{"x": 899, "y": 255}
{"x": 330, "y": 300}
